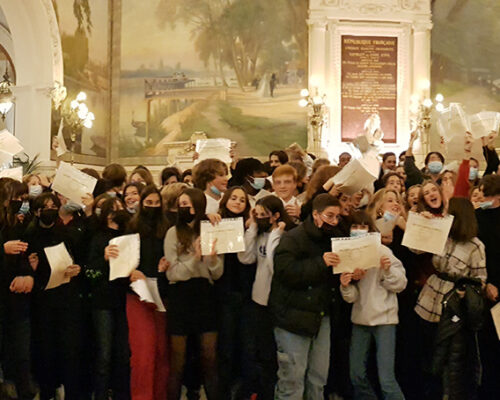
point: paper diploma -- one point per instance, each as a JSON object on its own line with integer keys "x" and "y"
{"x": 385, "y": 227}
{"x": 495, "y": 313}
{"x": 229, "y": 234}
{"x": 73, "y": 183}
{"x": 59, "y": 259}
{"x": 9, "y": 143}
{"x": 357, "y": 252}
{"x": 357, "y": 175}
{"x": 129, "y": 253}
{"x": 213, "y": 148}
{"x": 427, "y": 234}
{"x": 147, "y": 290}
{"x": 14, "y": 173}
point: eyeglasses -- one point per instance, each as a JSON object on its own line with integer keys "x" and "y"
{"x": 331, "y": 217}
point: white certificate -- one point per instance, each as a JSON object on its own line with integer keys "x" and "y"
{"x": 229, "y": 234}
{"x": 357, "y": 252}
{"x": 59, "y": 259}
{"x": 357, "y": 175}
{"x": 453, "y": 121}
{"x": 483, "y": 123}
{"x": 147, "y": 290}
{"x": 129, "y": 253}
{"x": 495, "y": 313}
{"x": 427, "y": 234}
{"x": 213, "y": 148}
{"x": 14, "y": 173}
{"x": 9, "y": 143}
{"x": 73, "y": 183}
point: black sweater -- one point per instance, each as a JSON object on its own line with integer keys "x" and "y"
{"x": 489, "y": 233}
{"x": 105, "y": 294}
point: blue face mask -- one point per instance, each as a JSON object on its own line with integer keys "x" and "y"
{"x": 388, "y": 216}
{"x": 358, "y": 232}
{"x": 258, "y": 183}
{"x": 473, "y": 174}
{"x": 485, "y": 205}
{"x": 435, "y": 167}
{"x": 215, "y": 191}
{"x": 25, "y": 208}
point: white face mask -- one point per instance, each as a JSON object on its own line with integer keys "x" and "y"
{"x": 35, "y": 190}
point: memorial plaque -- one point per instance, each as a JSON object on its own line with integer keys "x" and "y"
{"x": 369, "y": 84}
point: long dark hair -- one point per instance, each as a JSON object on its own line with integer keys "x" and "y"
{"x": 274, "y": 205}
{"x": 144, "y": 227}
{"x": 225, "y": 213}
{"x": 464, "y": 226}
{"x": 107, "y": 208}
{"x": 185, "y": 233}
{"x": 13, "y": 190}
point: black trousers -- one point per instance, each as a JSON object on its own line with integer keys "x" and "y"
{"x": 57, "y": 340}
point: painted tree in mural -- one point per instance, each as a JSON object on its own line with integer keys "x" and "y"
{"x": 249, "y": 36}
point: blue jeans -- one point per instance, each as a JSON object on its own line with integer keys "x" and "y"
{"x": 112, "y": 361}
{"x": 385, "y": 340}
{"x": 303, "y": 361}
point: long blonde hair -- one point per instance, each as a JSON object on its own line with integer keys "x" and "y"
{"x": 373, "y": 208}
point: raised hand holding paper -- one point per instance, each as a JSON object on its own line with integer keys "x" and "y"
{"x": 129, "y": 253}
{"x": 59, "y": 259}
{"x": 147, "y": 290}
{"x": 361, "y": 252}
{"x": 213, "y": 148}
{"x": 229, "y": 233}
{"x": 357, "y": 175}
{"x": 14, "y": 173}
{"x": 9, "y": 143}
{"x": 427, "y": 234}
{"x": 73, "y": 183}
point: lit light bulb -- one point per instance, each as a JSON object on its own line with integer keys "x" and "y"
{"x": 439, "y": 107}
{"x": 82, "y": 114}
{"x": 304, "y": 92}
{"x": 427, "y": 103}
{"x": 83, "y": 107}
{"x": 87, "y": 123}
{"x": 82, "y": 96}
{"x": 91, "y": 116}
{"x": 414, "y": 98}
{"x": 425, "y": 84}
{"x": 439, "y": 97}
{"x": 74, "y": 104}
{"x": 303, "y": 103}
{"x": 317, "y": 100}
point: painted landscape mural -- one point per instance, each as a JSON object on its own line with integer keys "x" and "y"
{"x": 229, "y": 68}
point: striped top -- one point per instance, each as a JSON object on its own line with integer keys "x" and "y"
{"x": 465, "y": 259}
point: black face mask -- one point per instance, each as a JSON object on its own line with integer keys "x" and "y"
{"x": 48, "y": 217}
{"x": 121, "y": 218}
{"x": 328, "y": 229}
{"x": 263, "y": 224}
{"x": 184, "y": 215}
{"x": 15, "y": 206}
{"x": 171, "y": 216}
{"x": 150, "y": 212}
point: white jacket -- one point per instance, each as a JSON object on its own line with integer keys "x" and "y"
{"x": 260, "y": 249}
{"x": 375, "y": 295}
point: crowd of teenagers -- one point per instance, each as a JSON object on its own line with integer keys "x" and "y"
{"x": 273, "y": 321}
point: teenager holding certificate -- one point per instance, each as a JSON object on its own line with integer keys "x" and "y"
{"x": 234, "y": 290}
{"x": 191, "y": 293}
{"x": 463, "y": 256}
{"x": 57, "y": 312}
{"x": 374, "y": 315}
{"x": 109, "y": 315}
{"x": 147, "y": 326}
{"x": 268, "y": 222}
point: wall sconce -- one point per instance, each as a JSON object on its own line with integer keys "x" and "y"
{"x": 6, "y": 96}
{"x": 317, "y": 116}
{"x": 421, "y": 110}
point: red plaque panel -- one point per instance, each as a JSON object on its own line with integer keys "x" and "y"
{"x": 369, "y": 84}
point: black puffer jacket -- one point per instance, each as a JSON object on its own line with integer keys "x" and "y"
{"x": 301, "y": 290}
{"x": 457, "y": 352}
